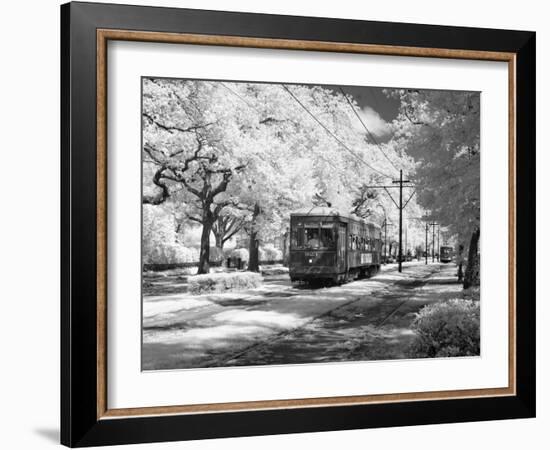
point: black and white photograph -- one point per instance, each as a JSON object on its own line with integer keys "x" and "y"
{"x": 298, "y": 224}
{"x": 260, "y": 225}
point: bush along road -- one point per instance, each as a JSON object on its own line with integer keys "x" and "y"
{"x": 284, "y": 323}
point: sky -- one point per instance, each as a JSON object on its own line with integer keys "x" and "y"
{"x": 375, "y": 98}
{"x": 377, "y": 110}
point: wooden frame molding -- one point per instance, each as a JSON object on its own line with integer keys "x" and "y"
{"x": 103, "y": 36}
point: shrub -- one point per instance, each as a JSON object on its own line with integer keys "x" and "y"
{"x": 241, "y": 253}
{"x": 270, "y": 253}
{"x": 227, "y": 252}
{"x": 223, "y": 282}
{"x": 216, "y": 255}
{"x": 444, "y": 329}
{"x": 471, "y": 293}
{"x": 170, "y": 253}
{"x": 160, "y": 243}
{"x": 188, "y": 255}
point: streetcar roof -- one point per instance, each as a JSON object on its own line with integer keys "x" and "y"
{"x": 326, "y": 211}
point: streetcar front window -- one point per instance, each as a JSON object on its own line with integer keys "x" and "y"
{"x": 312, "y": 236}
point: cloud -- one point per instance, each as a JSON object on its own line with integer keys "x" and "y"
{"x": 374, "y": 122}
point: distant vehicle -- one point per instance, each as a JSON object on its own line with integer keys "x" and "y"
{"x": 446, "y": 254}
{"x": 328, "y": 245}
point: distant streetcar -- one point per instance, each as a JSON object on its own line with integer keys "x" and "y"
{"x": 445, "y": 254}
{"x": 327, "y": 245}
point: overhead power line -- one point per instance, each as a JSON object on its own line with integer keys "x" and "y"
{"x": 239, "y": 96}
{"x": 336, "y": 138}
{"x": 251, "y": 106}
{"x": 366, "y": 129}
{"x": 400, "y": 184}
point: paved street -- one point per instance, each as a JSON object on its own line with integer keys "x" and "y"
{"x": 282, "y": 323}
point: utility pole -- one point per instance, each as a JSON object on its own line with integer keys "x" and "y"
{"x": 400, "y": 206}
{"x": 426, "y": 246}
{"x": 400, "y": 220}
{"x": 406, "y": 243}
{"x": 386, "y": 240}
{"x": 438, "y": 247}
{"x": 433, "y": 243}
{"x": 433, "y": 225}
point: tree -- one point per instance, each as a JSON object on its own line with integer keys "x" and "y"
{"x": 234, "y": 155}
{"x": 300, "y": 160}
{"x": 160, "y": 240}
{"x": 192, "y": 139}
{"x": 471, "y": 277}
{"x": 365, "y": 202}
{"x": 225, "y": 227}
{"x": 440, "y": 130}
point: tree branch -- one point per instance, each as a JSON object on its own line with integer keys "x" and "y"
{"x": 414, "y": 122}
{"x": 173, "y": 128}
{"x": 163, "y": 195}
{"x": 194, "y": 219}
{"x": 237, "y": 226}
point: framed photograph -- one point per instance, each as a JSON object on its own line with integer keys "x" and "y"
{"x": 276, "y": 224}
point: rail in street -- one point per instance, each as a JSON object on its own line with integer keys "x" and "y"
{"x": 284, "y": 323}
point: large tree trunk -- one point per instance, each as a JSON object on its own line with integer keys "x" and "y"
{"x": 219, "y": 240}
{"x": 285, "y": 248}
{"x": 253, "y": 247}
{"x": 204, "y": 256}
{"x": 471, "y": 277}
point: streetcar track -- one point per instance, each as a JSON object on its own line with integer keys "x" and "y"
{"x": 416, "y": 282}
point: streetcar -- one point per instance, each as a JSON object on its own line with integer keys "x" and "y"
{"x": 445, "y": 254}
{"x": 326, "y": 245}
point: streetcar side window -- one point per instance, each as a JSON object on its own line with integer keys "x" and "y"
{"x": 327, "y": 236}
